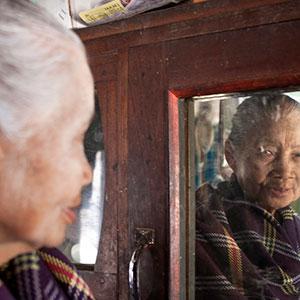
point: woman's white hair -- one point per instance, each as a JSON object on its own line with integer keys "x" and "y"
{"x": 36, "y": 59}
{"x": 256, "y": 111}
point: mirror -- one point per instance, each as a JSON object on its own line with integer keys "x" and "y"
{"x": 247, "y": 232}
{"x": 82, "y": 238}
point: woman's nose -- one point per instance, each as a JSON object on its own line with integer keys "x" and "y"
{"x": 87, "y": 173}
{"x": 283, "y": 168}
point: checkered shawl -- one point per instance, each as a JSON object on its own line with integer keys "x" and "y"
{"x": 242, "y": 251}
{"x": 42, "y": 275}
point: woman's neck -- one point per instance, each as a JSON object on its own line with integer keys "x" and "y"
{"x": 9, "y": 250}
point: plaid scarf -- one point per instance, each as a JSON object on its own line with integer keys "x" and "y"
{"x": 42, "y": 275}
{"x": 242, "y": 251}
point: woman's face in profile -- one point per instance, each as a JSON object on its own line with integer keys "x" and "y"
{"x": 41, "y": 181}
{"x": 268, "y": 165}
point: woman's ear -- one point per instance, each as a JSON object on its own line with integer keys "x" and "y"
{"x": 230, "y": 155}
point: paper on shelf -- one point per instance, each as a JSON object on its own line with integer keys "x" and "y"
{"x": 82, "y": 13}
{"x": 103, "y": 11}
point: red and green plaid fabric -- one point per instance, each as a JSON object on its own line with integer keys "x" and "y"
{"x": 42, "y": 275}
{"x": 242, "y": 251}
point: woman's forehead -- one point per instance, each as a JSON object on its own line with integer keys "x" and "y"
{"x": 285, "y": 130}
{"x": 274, "y": 120}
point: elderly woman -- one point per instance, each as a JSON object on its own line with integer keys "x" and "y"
{"x": 46, "y": 103}
{"x": 247, "y": 235}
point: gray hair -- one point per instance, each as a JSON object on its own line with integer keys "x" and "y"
{"x": 256, "y": 110}
{"x": 36, "y": 59}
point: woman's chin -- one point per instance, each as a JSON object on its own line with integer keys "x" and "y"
{"x": 54, "y": 239}
{"x": 272, "y": 203}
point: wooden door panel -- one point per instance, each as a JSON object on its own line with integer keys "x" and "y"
{"x": 113, "y": 256}
{"x": 104, "y": 286}
{"x": 236, "y": 60}
{"x": 147, "y": 166}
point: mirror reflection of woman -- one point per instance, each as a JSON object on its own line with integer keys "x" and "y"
{"x": 247, "y": 235}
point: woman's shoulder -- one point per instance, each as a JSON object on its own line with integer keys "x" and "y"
{"x": 65, "y": 273}
{"x": 49, "y": 267}
{"x": 54, "y": 256}
{"x": 208, "y": 198}
{"x": 204, "y": 191}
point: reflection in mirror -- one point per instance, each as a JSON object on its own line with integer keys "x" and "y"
{"x": 247, "y": 174}
{"x": 212, "y": 124}
{"x": 82, "y": 238}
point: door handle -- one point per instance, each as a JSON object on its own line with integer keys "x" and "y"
{"x": 144, "y": 237}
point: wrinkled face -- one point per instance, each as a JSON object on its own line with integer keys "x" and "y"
{"x": 268, "y": 165}
{"x": 40, "y": 182}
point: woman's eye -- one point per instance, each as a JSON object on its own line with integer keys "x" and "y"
{"x": 297, "y": 154}
{"x": 266, "y": 153}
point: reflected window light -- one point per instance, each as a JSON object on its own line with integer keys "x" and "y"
{"x": 90, "y": 217}
{"x": 295, "y": 95}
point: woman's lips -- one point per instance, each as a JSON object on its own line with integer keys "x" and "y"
{"x": 279, "y": 192}
{"x": 70, "y": 215}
